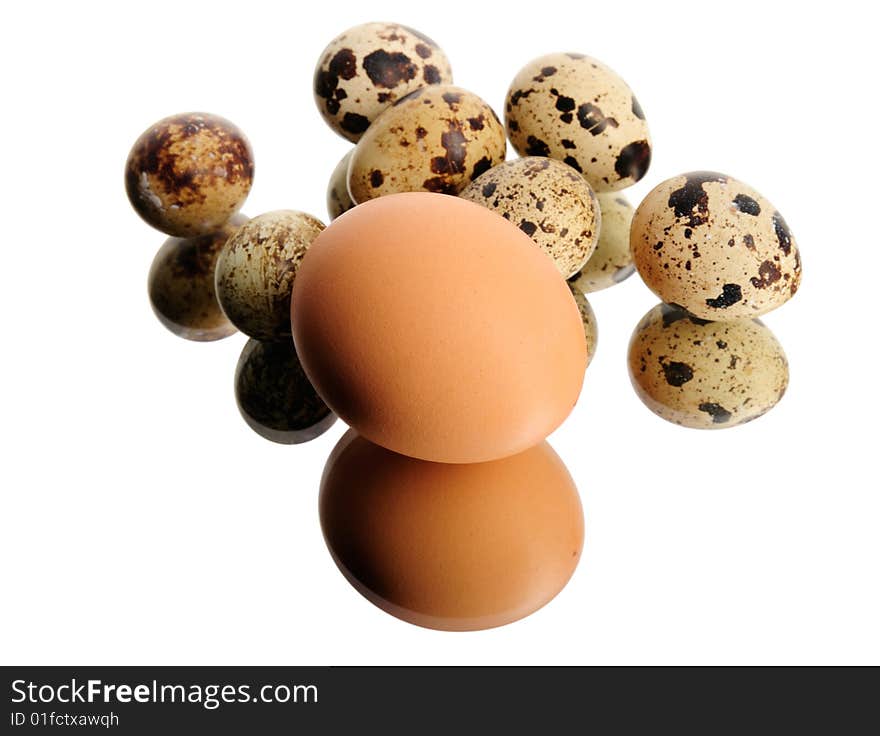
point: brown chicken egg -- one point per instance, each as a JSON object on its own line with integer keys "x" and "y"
{"x": 189, "y": 174}
{"x": 256, "y": 269}
{"x": 548, "y": 201}
{"x": 452, "y": 547}
{"x": 436, "y": 139}
{"x": 702, "y": 374}
{"x": 274, "y": 396}
{"x": 368, "y": 68}
{"x": 715, "y": 246}
{"x": 181, "y": 285}
{"x": 437, "y": 329}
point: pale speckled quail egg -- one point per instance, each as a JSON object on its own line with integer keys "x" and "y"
{"x": 338, "y": 199}
{"x": 588, "y": 317}
{"x": 702, "y": 374}
{"x": 256, "y": 269}
{"x": 188, "y": 174}
{"x": 369, "y": 67}
{"x": 436, "y": 139}
{"x": 611, "y": 262}
{"x": 275, "y": 397}
{"x": 714, "y": 246}
{"x": 548, "y": 201}
{"x": 575, "y": 109}
{"x": 181, "y": 285}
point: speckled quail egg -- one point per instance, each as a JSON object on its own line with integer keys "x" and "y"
{"x": 703, "y": 374}
{"x": 188, "y": 174}
{"x": 575, "y": 109}
{"x": 611, "y": 262}
{"x": 588, "y": 317}
{"x": 370, "y": 66}
{"x": 181, "y": 285}
{"x": 338, "y": 199}
{"x": 436, "y": 139}
{"x": 548, "y": 201}
{"x": 275, "y": 397}
{"x": 256, "y": 269}
{"x": 714, "y": 246}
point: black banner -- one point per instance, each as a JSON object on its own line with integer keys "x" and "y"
{"x": 415, "y": 700}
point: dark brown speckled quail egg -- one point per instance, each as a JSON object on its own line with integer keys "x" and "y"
{"x": 575, "y": 109}
{"x": 436, "y": 139}
{"x": 338, "y": 199}
{"x": 256, "y": 269}
{"x": 588, "y": 317}
{"x": 275, "y": 397}
{"x": 702, "y": 374}
{"x": 368, "y": 68}
{"x": 611, "y": 262}
{"x": 181, "y": 285}
{"x": 714, "y": 246}
{"x": 188, "y": 174}
{"x": 548, "y": 201}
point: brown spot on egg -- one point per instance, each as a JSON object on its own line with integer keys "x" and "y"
{"x": 676, "y": 373}
{"x": 730, "y": 294}
{"x": 719, "y": 414}
{"x": 747, "y": 205}
{"x": 354, "y": 123}
{"x": 768, "y": 274}
{"x": 633, "y": 160}
{"x": 592, "y": 120}
{"x": 388, "y": 69}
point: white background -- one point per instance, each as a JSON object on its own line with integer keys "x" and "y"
{"x": 143, "y": 522}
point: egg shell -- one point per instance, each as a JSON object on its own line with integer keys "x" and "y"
{"x": 714, "y": 246}
{"x": 611, "y": 262}
{"x": 588, "y": 319}
{"x": 548, "y": 201}
{"x": 189, "y": 174}
{"x": 368, "y": 68}
{"x": 338, "y": 199}
{"x": 575, "y": 109}
{"x": 436, "y": 139}
{"x": 274, "y": 396}
{"x": 181, "y": 285}
{"x": 256, "y": 270}
{"x": 451, "y": 547}
{"x": 703, "y": 374}
{"x": 437, "y": 329}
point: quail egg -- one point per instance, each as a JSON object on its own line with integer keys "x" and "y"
{"x": 702, "y": 374}
{"x": 338, "y": 199}
{"x": 181, "y": 285}
{"x": 611, "y": 262}
{"x": 575, "y": 109}
{"x": 275, "y": 397}
{"x": 588, "y": 317}
{"x": 548, "y": 201}
{"x": 436, "y": 139}
{"x": 188, "y": 174}
{"x": 369, "y": 67}
{"x": 714, "y": 246}
{"x": 256, "y": 269}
